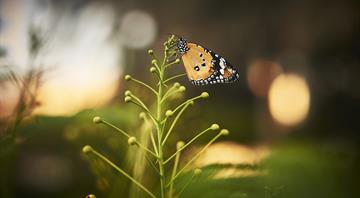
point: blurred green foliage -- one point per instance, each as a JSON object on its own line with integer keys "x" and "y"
{"x": 294, "y": 168}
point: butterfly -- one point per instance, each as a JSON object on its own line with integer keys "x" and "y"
{"x": 204, "y": 66}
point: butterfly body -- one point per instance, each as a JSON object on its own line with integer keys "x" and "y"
{"x": 204, "y": 66}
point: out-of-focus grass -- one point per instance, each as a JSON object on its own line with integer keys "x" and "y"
{"x": 292, "y": 170}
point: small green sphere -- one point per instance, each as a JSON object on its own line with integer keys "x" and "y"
{"x": 127, "y": 93}
{"x": 224, "y": 132}
{"x": 142, "y": 115}
{"x": 197, "y": 171}
{"x": 86, "y": 149}
{"x": 132, "y": 140}
{"x": 127, "y": 77}
{"x": 90, "y": 196}
{"x": 154, "y": 61}
{"x": 204, "y": 94}
{"x": 215, "y": 127}
{"x": 176, "y": 85}
{"x": 169, "y": 113}
{"x": 152, "y": 69}
{"x": 182, "y": 88}
{"x": 127, "y": 99}
{"x": 97, "y": 120}
{"x": 179, "y": 145}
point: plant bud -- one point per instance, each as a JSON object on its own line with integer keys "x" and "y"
{"x": 127, "y": 77}
{"x": 215, "y": 127}
{"x": 86, "y": 149}
{"x": 127, "y": 99}
{"x": 97, "y": 120}
{"x": 179, "y": 145}
{"x": 224, "y": 132}
{"x": 169, "y": 113}
{"x": 204, "y": 94}
{"x": 132, "y": 140}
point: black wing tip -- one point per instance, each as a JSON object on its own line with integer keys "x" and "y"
{"x": 216, "y": 79}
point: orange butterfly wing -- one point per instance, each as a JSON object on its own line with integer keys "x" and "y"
{"x": 206, "y": 67}
{"x": 197, "y": 62}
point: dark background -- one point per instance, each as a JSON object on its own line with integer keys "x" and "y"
{"x": 317, "y": 157}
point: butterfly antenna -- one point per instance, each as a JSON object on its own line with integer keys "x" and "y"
{"x": 171, "y": 34}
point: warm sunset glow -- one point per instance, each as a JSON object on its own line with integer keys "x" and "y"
{"x": 57, "y": 99}
{"x": 289, "y": 99}
{"x": 81, "y": 58}
{"x": 232, "y": 153}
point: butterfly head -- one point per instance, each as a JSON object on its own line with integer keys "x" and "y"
{"x": 182, "y": 45}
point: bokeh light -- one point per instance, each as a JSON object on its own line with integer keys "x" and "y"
{"x": 231, "y": 153}
{"x": 260, "y": 75}
{"x": 289, "y": 99}
{"x": 227, "y": 152}
{"x": 138, "y": 29}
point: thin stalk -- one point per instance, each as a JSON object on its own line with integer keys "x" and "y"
{"x": 145, "y": 85}
{"x": 154, "y": 144}
{"x": 168, "y": 92}
{"x": 173, "y": 124}
{"x": 176, "y": 163}
{"x": 123, "y": 173}
{"x": 163, "y": 123}
{"x": 145, "y": 149}
{"x": 171, "y": 93}
{"x": 159, "y": 129}
{"x": 152, "y": 164}
{"x": 186, "y": 185}
{"x": 171, "y": 63}
{"x": 116, "y": 128}
{"x": 186, "y": 102}
{"x": 140, "y": 102}
{"x": 146, "y": 110}
{"x": 187, "y": 144}
{"x": 128, "y": 136}
{"x": 152, "y": 137}
{"x": 195, "y": 157}
{"x": 174, "y": 77}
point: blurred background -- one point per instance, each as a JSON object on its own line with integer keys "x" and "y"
{"x": 294, "y": 109}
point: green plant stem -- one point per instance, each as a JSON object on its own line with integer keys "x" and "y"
{"x": 176, "y": 163}
{"x": 173, "y": 124}
{"x": 174, "y": 77}
{"x": 195, "y": 157}
{"x": 145, "y": 85}
{"x": 168, "y": 92}
{"x": 153, "y": 142}
{"x": 123, "y": 172}
{"x": 145, "y": 149}
{"x": 140, "y": 102}
{"x": 151, "y": 163}
{"x": 171, "y": 63}
{"x": 186, "y": 102}
{"x": 187, "y": 144}
{"x": 116, "y": 128}
{"x": 128, "y": 136}
{"x": 171, "y": 93}
{"x": 159, "y": 129}
{"x": 152, "y": 137}
{"x": 145, "y": 109}
{"x": 186, "y": 185}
